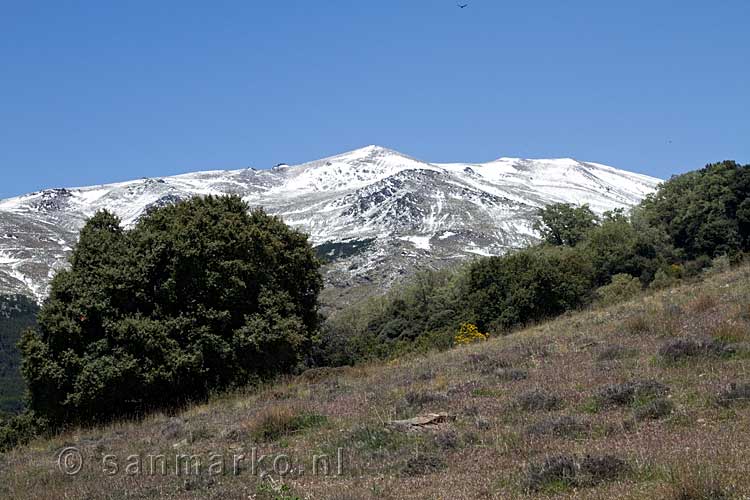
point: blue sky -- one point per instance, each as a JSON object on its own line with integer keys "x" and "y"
{"x": 94, "y": 92}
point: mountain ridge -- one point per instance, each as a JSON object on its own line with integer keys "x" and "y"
{"x": 380, "y": 213}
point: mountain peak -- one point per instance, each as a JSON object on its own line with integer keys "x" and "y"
{"x": 376, "y": 213}
{"x": 375, "y": 147}
{"x": 372, "y": 149}
{"x": 541, "y": 161}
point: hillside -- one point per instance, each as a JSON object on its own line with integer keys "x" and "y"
{"x": 374, "y": 214}
{"x": 645, "y": 399}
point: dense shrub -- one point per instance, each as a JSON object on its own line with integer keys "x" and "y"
{"x": 664, "y": 279}
{"x": 653, "y": 409}
{"x": 447, "y": 440}
{"x": 422, "y": 314}
{"x": 527, "y": 285}
{"x": 565, "y": 471}
{"x": 468, "y": 334}
{"x": 679, "y": 349}
{"x": 631, "y": 392}
{"x": 197, "y": 296}
{"x": 423, "y": 464}
{"x": 598, "y": 468}
{"x": 19, "y": 429}
{"x": 536, "y": 400}
{"x": 557, "y": 471}
{"x": 622, "y": 287}
{"x": 623, "y": 246}
{"x": 560, "y": 426}
{"x": 705, "y": 212}
{"x": 734, "y": 394}
{"x": 613, "y": 352}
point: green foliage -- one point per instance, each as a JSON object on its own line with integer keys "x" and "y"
{"x": 198, "y": 296}
{"x": 621, "y": 246}
{"x": 423, "y": 314}
{"x": 19, "y": 429}
{"x": 705, "y": 212}
{"x": 622, "y": 287}
{"x": 666, "y": 277}
{"x": 17, "y": 313}
{"x": 532, "y": 284}
{"x": 565, "y": 224}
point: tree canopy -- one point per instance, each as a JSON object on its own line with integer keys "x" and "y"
{"x": 565, "y": 224}
{"x": 198, "y": 296}
{"x": 704, "y": 212}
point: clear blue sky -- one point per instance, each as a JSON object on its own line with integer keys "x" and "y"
{"x": 94, "y": 92}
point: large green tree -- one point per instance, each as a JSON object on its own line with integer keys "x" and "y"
{"x": 198, "y": 296}
{"x": 565, "y": 224}
{"x": 704, "y": 212}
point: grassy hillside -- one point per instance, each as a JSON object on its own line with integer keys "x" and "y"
{"x": 645, "y": 399}
{"x": 17, "y": 313}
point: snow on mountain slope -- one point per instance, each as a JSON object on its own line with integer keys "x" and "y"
{"x": 374, "y": 213}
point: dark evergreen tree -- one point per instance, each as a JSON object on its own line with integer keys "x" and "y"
{"x": 198, "y": 296}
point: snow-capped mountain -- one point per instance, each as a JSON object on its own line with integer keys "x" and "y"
{"x": 374, "y": 214}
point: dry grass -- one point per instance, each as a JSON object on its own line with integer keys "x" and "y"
{"x": 732, "y": 332}
{"x": 633, "y": 443}
{"x": 275, "y": 422}
{"x": 702, "y": 303}
{"x": 698, "y": 483}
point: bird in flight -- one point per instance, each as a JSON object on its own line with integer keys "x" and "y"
{"x": 462, "y": 5}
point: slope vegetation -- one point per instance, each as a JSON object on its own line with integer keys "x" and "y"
{"x": 642, "y": 399}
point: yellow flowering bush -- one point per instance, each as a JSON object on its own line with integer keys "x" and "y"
{"x": 468, "y": 334}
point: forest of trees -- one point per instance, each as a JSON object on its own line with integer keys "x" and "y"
{"x": 206, "y": 295}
